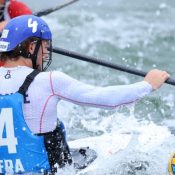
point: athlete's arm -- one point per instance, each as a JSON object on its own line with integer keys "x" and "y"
{"x": 77, "y": 92}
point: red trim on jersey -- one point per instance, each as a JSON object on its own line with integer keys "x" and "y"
{"x": 47, "y": 101}
{"x": 16, "y": 8}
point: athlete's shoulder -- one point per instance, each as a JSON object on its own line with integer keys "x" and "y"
{"x": 58, "y": 75}
{"x": 55, "y": 77}
{"x": 17, "y": 8}
{"x": 43, "y": 77}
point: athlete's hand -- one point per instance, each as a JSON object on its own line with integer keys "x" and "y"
{"x": 156, "y": 78}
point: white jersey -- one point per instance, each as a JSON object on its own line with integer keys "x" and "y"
{"x": 48, "y": 88}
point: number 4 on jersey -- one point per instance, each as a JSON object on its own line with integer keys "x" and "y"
{"x": 6, "y": 125}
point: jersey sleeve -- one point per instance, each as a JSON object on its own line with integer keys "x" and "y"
{"x": 80, "y": 93}
{"x": 16, "y": 8}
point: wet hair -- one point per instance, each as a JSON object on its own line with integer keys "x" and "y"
{"x": 21, "y": 50}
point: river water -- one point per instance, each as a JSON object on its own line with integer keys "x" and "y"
{"x": 135, "y": 33}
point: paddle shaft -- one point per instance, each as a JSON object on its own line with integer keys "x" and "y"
{"x": 50, "y": 10}
{"x": 104, "y": 63}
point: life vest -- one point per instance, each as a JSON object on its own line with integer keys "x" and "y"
{"x": 20, "y": 150}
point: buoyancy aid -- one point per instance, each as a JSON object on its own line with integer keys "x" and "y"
{"x": 20, "y": 150}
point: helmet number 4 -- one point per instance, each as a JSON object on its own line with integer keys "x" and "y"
{"x": 33, "y": 25}
{"x": 7, "y": 125}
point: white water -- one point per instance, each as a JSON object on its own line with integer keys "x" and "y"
{"x": 125, "y": 145}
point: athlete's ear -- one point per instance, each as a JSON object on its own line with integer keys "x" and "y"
{"x": 31, "y": 47}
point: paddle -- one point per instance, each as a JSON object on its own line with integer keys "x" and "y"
{"x": 104, "y": 63}
{"x": 50, "y": 10}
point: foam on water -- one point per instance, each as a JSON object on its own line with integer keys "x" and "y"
{"x": 125, "y": 144}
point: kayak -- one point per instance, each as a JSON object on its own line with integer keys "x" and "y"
{"x": 100, "y": 147}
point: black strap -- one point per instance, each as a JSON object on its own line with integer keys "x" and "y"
{"x": 35, "y": 54}
{"x": 2, "y": 13}
{"x": 22, "y": 90}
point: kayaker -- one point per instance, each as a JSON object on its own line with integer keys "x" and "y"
{"x": 32, "y": 138}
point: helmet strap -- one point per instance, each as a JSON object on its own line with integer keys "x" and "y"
{"x": 34, "y": 56}
{"x": 49, "y": 60}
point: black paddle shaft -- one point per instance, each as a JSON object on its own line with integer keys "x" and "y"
{"x": 104, "y": 63}
{"x": 50, "y": 10}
